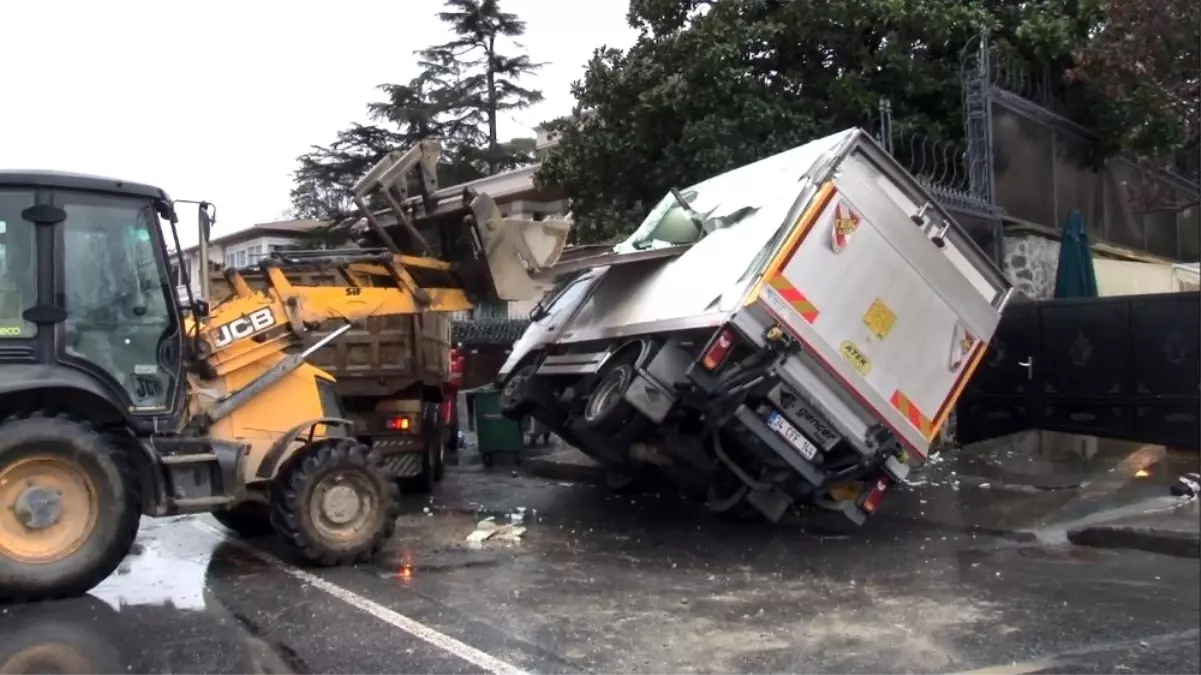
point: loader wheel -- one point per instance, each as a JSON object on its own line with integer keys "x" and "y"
{"x": 335, "y": 505}
{"x": 70, "y": 506}
{"x": 49, "y": 637}
{"x": 248, "y": 519}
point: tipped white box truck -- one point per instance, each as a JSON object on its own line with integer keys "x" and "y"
{"x": 793, "y": 332}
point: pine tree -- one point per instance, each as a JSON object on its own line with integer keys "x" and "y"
{"x": 474, "y": 78}
{"x": 463, "y": 87}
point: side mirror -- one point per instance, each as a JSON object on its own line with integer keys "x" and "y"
{"x": 538, "y": 313}
{"x": 200, "y": 309}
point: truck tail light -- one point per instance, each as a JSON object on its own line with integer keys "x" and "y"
{"x": 873, "y": 498}
{"x": 719, "y": 349}
{"x": 401, "y": 423}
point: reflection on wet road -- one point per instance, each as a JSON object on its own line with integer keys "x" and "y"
{"x": 599, "y": 583}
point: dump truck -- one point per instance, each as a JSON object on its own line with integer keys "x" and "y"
{"x": 398, "y": 375}
{"x": 791, "y": 334}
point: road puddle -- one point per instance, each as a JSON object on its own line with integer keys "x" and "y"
{"x": 158, "y": 612}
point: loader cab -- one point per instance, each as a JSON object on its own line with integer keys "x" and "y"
{"x": 89, "y": 320}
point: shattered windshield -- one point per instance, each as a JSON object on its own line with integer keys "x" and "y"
{"x": 702, "y": 211}
{"x": 729, "y": 199}
{"x": 686, "y": 216}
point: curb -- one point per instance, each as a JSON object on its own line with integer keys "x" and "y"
{"x": 1019, "y": 536}
{"x": 1166, "y": 542}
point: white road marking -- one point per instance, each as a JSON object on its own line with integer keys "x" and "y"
{"x": 484, "y": 661}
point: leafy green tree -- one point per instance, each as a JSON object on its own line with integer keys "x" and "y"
{"x": 1148, "y": 58}
{"x": 710, "y": 85}
{"x": 326, "y": 174}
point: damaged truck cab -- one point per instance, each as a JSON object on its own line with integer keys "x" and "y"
{"x": 792, "y": 333}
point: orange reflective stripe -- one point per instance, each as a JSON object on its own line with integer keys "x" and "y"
{"x": 795, "y": 298}
{"x": 912, "y": 413}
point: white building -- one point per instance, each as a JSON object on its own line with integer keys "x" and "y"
{"x": 245, "y": 247}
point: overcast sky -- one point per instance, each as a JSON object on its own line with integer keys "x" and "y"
{"x": 214, "y": 100}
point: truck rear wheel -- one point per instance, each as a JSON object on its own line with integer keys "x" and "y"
{"x": 606, "y": 411}
{"x": 70, "y": 506}
{"x": 248, "y": 519}
{"x": 433, "y": 460}
{"x": 335, "y": 505}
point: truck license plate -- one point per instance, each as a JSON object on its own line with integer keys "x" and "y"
{"x": 789, "y": 433}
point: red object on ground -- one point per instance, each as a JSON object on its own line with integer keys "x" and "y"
{"x": 453, "y": 384}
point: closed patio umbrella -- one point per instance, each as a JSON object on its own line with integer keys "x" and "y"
{"x": 1075, "y": 276}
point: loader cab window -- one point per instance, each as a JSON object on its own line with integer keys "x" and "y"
{"x": 119, "y": 313}
{"x": 18, "y": 271}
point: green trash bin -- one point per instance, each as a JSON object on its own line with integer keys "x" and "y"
{"x": 495, "y": 433}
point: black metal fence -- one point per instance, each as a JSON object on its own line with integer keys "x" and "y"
{"x": 1123, "y": 367}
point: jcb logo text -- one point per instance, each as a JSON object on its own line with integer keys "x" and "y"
{"x": 243, "y": 327}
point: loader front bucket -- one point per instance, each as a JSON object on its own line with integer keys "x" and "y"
{"x": 493, "y": 257}
{"x": 517, "y": 250}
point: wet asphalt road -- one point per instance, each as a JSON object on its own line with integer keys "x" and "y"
{"x": 607, "y": 584}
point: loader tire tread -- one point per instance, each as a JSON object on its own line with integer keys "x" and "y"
{"x": 110, "y": 463}
{"x": 289, "y": 513}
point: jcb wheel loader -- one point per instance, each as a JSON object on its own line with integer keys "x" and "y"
{"x": 117, "y": 400}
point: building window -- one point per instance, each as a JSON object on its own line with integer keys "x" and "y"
{"x": 240, "y": 258}
{"x": 255, "y": 253}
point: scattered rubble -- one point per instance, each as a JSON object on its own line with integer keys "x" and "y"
{"x": 489, "y": 530}
{"x": 1188, "y": 485}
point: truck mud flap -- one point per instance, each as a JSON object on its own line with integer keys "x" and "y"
{"x": 759, "y": 428}
{"x": 404, "y": 465}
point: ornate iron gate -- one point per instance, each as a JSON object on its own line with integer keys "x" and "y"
{"x": 1121, "y": 367}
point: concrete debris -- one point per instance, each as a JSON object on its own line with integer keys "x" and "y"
{"x": 518, "y": 516}
{"x": 488, "y": 530}
{"x": 1188, "y": 485}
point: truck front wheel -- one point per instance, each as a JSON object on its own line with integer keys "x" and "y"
{"x": 71, "y": 507}
{"x": 335, "y": 505}
{"x": 515, "y": 401}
